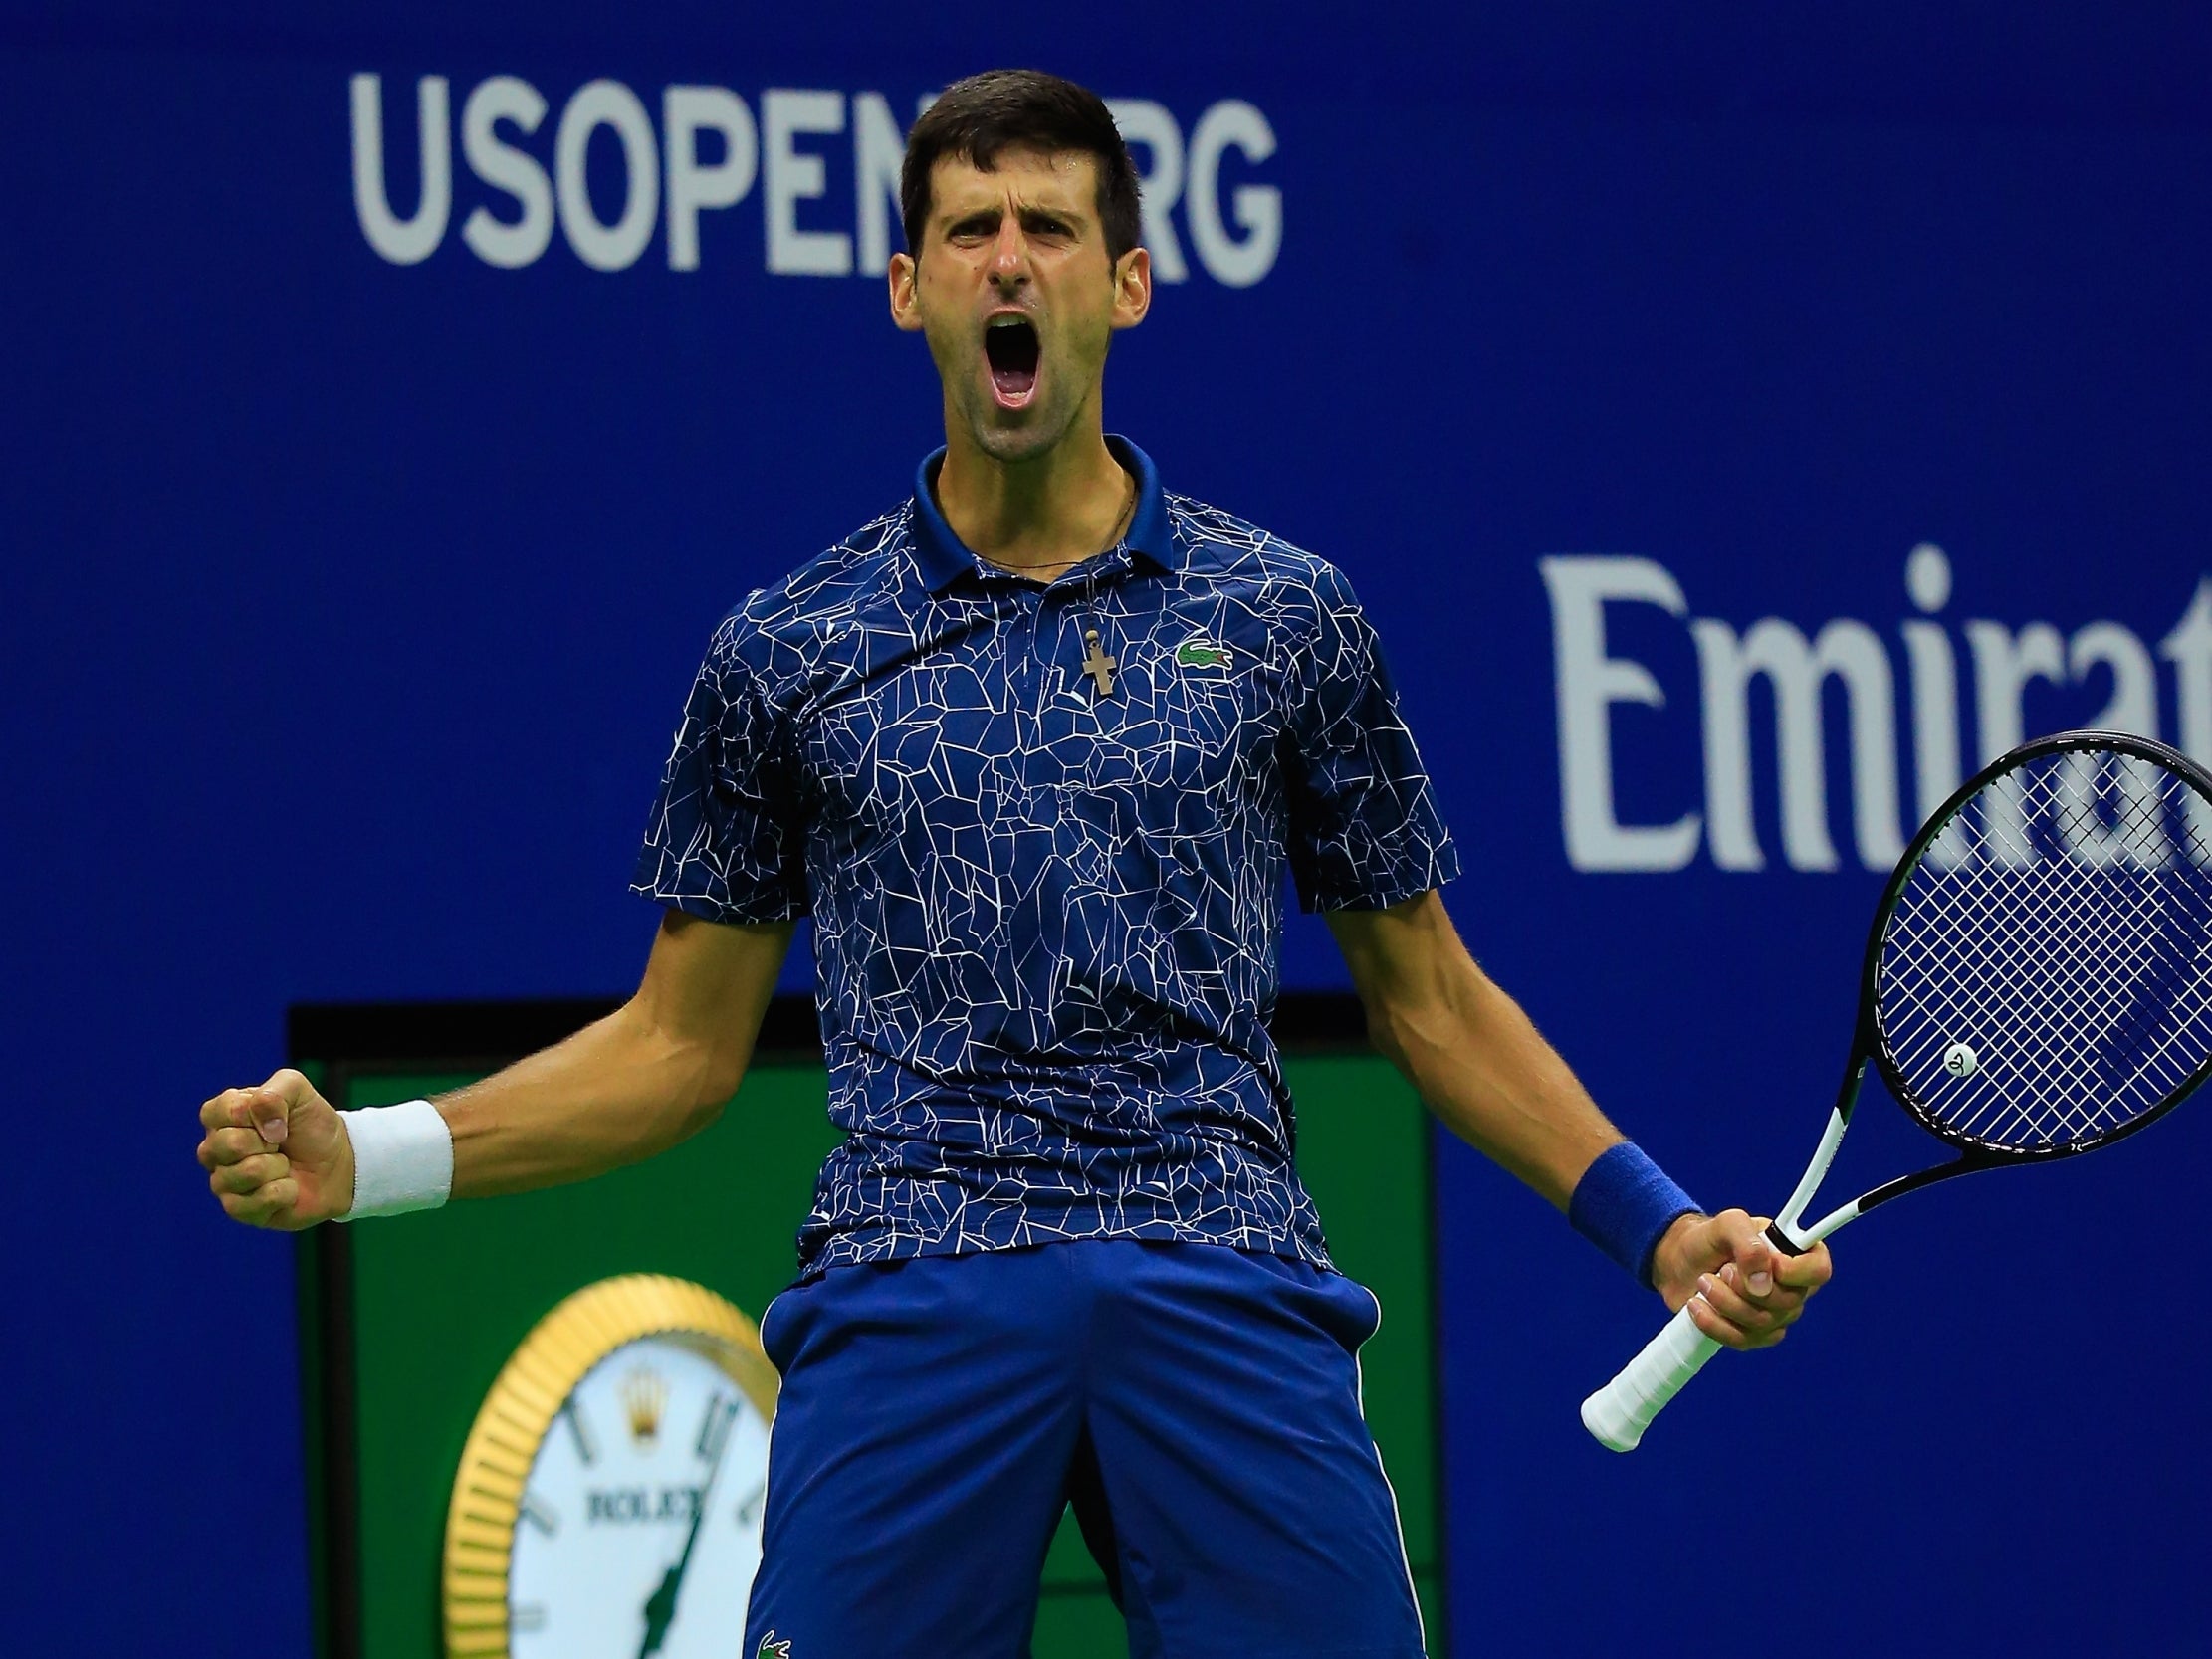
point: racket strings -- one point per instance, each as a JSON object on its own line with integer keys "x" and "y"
{"x": 2092, "y": 928}
{"x": 2084, "y": 956}
{"x": 2051, "y": 1080}
{"x": 1994, "y": 1111}
{"x": 2083, "y": 939}
{"x": 2046, "y": 974}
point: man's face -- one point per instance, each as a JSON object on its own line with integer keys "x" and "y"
{"x": 1014, "y": 292}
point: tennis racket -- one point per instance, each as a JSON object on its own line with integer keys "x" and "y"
{"x": 2038, "y": 984}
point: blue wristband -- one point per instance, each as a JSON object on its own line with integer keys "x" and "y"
{"x": 1624, "y": 1204}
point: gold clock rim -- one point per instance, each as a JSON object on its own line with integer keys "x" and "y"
{"x": 581, "y": 1329}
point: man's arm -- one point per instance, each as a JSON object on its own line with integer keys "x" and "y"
{"x": 631, "y": 1085}
{"x": 1482, "y": 1067}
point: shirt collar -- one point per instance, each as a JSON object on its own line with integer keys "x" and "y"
{"x": 944, "y": 557}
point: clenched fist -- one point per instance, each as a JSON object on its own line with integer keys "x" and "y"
{"x": 1739, "y": 1289}
{"x": 277, "y": 1155}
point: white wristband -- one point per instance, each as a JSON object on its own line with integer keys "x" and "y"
{"x": 402, "y": 1160}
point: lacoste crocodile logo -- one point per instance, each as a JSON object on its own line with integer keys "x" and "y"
{"x": 1201, "y": 652}
{"x": 771, "y": 1648}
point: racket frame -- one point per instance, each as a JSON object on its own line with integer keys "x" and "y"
{"x": 1680, "y": 1349}
{"x": 1869, "y": 1042}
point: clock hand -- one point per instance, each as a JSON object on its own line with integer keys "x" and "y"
{"x": 660, "y": 1606}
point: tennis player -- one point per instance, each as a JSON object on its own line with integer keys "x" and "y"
{"x": 1037, "y": 751}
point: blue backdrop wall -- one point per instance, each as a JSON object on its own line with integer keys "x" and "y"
{"x": 367, "y": 490}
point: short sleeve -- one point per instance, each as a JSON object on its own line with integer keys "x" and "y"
{"x": 727, "y": 840}
{"x": 1365, "y": 830}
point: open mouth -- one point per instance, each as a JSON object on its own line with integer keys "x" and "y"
{"x": 1011, "y": 348}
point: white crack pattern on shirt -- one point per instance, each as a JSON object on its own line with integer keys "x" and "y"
{"x": 1048, "y": 922}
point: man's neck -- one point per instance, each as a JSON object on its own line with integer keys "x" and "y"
{"x": 1042, "y": 515}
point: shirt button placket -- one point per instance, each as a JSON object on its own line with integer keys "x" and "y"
{"x": 1028, "y": 598}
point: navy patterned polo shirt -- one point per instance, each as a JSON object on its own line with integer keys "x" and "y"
{"x": 1048, "y": 899}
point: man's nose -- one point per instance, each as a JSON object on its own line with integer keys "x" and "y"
{"x": 1010, "y": 256}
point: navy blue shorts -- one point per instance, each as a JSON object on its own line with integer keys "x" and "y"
{"x": 1198, "y": 1405}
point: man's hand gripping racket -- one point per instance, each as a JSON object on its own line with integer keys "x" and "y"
{"x": 2038, "y": 984}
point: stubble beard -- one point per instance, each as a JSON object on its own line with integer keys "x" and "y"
{"x": 1034, "y": 431}
{"x": 1039, "y": 430}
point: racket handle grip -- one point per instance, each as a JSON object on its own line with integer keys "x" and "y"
{"x": 1618, "y": 1413}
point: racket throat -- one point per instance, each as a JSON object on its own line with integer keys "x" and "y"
{"x": 1782, "y": 1241}
{"x": 1787, "y": 1232}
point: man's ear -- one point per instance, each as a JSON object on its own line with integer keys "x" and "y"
{"x": 1132, "y": 288}
{"x": 904, "y": 275}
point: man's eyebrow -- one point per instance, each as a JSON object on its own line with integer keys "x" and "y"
{"x": 1031, "y": 215}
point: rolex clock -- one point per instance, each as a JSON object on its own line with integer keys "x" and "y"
{"x": 609, "y": 1500}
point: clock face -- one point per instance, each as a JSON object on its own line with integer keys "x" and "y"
{"x": 642, "y": 1512}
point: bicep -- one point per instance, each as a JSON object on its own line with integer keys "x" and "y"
{"x": 1468, "y": 1047}
{"x": 1401, "y": 955}
{"x": 708, "y": 984}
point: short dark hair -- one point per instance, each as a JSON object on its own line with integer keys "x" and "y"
{"x": 1020, "y": 109}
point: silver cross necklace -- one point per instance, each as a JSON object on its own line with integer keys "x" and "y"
{"x": 1097, "y": 664}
